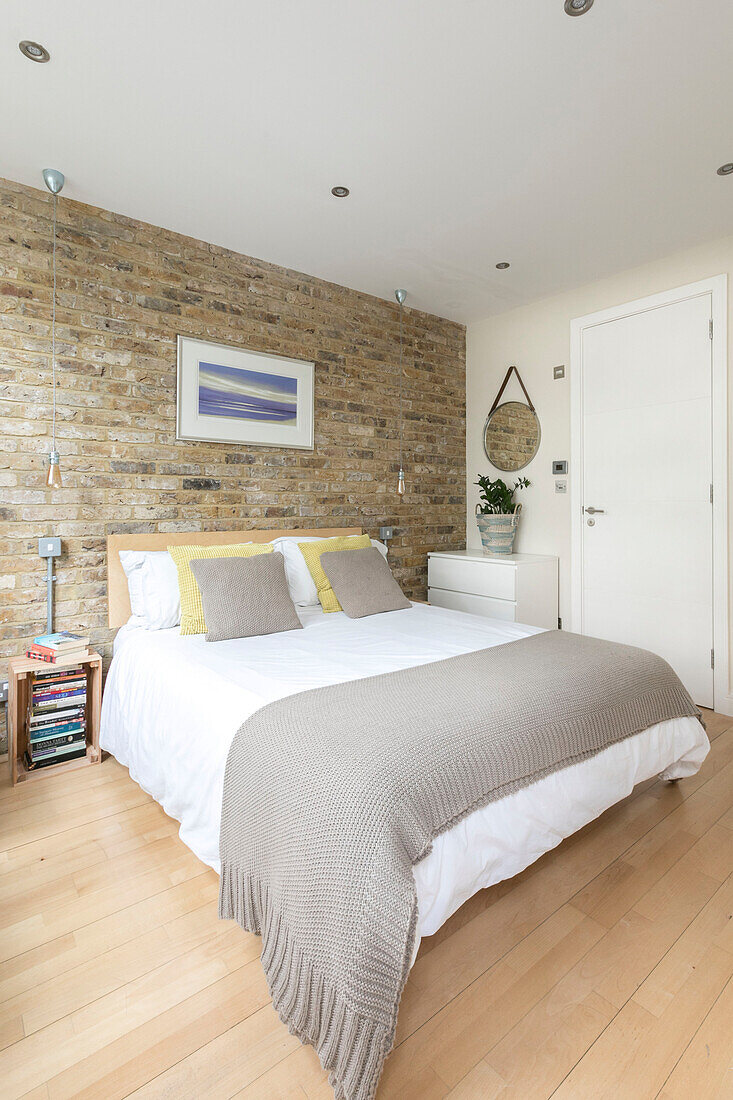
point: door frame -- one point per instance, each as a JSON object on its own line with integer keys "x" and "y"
{"x": 717, "y": 287}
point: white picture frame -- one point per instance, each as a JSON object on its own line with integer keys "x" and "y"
{"x": 233, "y": 395}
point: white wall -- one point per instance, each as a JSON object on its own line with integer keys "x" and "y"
{"x": 536, "y": 338}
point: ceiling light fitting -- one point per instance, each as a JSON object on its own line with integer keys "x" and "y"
{"x": 340, "y": 192}
{"x": 726, "y": 169}
{"x": 578, "y": 7}
{"x": 34, "y": 51}
{"x": 502, "y": 266}
{"x": 54, "y": 181}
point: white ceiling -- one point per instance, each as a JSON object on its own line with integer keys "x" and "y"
{"x": 469, "y": 132}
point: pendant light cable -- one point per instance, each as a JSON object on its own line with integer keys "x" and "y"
{"x": 401, "y": 384}
{"x": 54, "y": 181}
{"x": 53, "y": 329}
{"x": 400, "y": 295}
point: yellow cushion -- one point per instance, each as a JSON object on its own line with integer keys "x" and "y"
{"x": 312, "y": 551}
{"x": 192, "y": 610}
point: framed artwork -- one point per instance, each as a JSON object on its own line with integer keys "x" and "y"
{"x": 231, "y": 395}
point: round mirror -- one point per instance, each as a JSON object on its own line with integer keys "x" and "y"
{"x": 511, "y": 435}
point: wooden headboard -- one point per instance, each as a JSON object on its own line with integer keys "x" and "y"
{"x": 118, "y": 597}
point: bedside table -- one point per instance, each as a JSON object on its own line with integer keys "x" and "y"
{"x": 20, "y": 681}
{"x": 519, "y": 588}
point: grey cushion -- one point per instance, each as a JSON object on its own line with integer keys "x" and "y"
{"x": 243, "y": 597}
{"x": 363, "y": 582}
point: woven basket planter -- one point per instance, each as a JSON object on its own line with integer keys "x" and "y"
{"x": 497, "y": 532}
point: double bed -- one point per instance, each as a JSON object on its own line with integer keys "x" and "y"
{"x": 172, "y": 706}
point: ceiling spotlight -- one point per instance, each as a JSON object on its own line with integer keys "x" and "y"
{"x": 726, "y": 169}
{"x": 340, "y": 192}
{"x": 578, "y": 7}
{"x": 34, "y": 51}
{"x": 502, "y": 266}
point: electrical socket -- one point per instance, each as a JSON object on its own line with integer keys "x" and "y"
{"x": 561, "y": 485}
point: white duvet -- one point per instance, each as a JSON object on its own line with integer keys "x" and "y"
{"x": 172, "y": 706}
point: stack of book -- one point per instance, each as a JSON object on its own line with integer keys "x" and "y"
{"x": 61, "y": 646}
{"x": 56, "y": 717}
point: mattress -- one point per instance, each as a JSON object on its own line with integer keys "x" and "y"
{"x": 172, "y": 705}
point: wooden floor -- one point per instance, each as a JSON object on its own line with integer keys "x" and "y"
{"x": 602, "y": 971}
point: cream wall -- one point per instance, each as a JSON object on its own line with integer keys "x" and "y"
{"x": 537, "y": 338}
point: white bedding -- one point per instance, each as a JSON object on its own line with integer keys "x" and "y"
{"x": 172, "y": 706}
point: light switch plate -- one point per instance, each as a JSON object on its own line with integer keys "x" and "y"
{"x": 49, "y": 547}
{"x": 386, "y": 533}
{"x": 558, "y": 372}
{"x": 561, "y": 485}
{"x": 559, "y": 466}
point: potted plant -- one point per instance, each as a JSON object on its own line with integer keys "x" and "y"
{"x": 497, "y": 514}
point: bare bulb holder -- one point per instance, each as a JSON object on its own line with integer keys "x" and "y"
{"x": 53, "y": 473}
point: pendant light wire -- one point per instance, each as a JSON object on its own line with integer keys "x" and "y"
{"x": 401, "y": 384}
{"x": 53, "y": 329}
{"x": 400, "y": 295}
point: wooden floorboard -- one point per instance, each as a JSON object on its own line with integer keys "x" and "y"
{"x": 605, "y": 969}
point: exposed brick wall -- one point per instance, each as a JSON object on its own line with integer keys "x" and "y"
{"x": 125, "y": 290}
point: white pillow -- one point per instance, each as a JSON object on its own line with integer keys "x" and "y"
{"x": 152, "y": 581}
{"x": 300, "y": 582}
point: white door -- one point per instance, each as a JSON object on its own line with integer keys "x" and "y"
{"x": 647, "y": 548}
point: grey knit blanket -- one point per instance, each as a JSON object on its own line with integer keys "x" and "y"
{"x": 331, "y": 796}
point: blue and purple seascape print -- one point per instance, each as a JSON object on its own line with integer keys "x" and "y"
{"x": 247, "y": 394}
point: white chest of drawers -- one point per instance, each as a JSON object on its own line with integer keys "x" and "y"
{"x": 520, "y": 588}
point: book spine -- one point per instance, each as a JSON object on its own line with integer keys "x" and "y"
{"x": 41, "y": 736}
{"x": 64, "y": 640}
{"x": 65, "y": 714}
{"x": 51, "y": 744}
{"x": 57, "y": 689}
{"x": 48, "y": 657}
{"x": 56, "y": 718}
{"x": 46, "y": 699}
{"x": 53, "y": 674}
{"x": 62, "y": 738}
{"x": 43, "y": 653}
{"x": 42, "y": 683}
{"x": 46, "y": 762}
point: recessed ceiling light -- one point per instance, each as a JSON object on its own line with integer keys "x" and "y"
{"x": 578, "y": 7}
{"x": 726, "y": 169}
{"x": 502, "y": 266}
{"x": 34, "y": 51}
{"x": 340, "y": 192}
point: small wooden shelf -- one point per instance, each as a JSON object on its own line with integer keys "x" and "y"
{"x": 20, "y": 678}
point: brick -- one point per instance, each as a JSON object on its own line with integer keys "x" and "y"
{"x": 126, "y": 290}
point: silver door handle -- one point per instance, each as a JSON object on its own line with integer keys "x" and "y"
{"x": 595, "y": 511}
